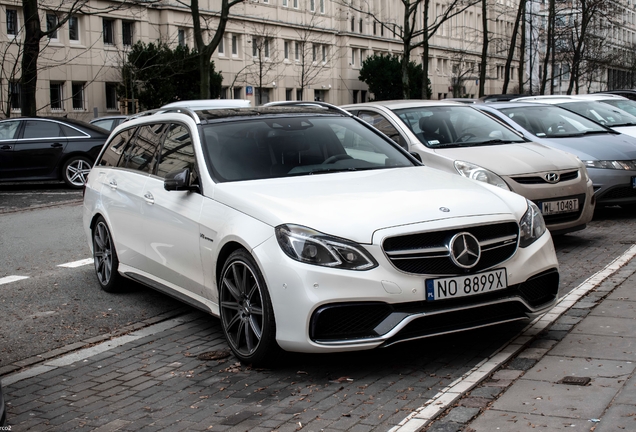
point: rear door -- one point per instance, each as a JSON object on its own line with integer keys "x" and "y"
{"x": 39, "y": 149}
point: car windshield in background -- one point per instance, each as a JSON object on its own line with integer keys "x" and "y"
{"x": 549, "y": 121}
{"x": 601, "y": 113}
{"x": 263, "y": 147}
{"x": 459, "y": 126}
{"x": 625, "y": 105}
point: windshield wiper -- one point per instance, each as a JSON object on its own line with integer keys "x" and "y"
{"x": 477, "y": 143}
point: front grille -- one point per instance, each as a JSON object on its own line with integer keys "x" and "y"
{"x": 619, "y": 192}
{"x": 564, "y": 217}
{"x": 566, "y": 176}
{"x": 360, "y": 320}
{"x": 427, "y": 253}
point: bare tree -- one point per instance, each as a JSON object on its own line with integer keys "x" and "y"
{"x": 521, "y": 10}
{"x": 407, "y": 31}
{"x": 208, "y": 24}
{"x": 462, "y": 70}
{"x": 484, "y": 48}
{"x": 312, "y": 52}
{"x": 265, "y": 58}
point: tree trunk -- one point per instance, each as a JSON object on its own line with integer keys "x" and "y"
{"x": 522, "y": 49}
{"x": 549, "y": 44}
{"x": 484, "y": 49}
{"x": 425, "y": 50}
{"x": 513, "y": 42}
{"x": 31, "y": 51}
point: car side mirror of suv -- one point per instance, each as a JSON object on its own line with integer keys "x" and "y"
{"x": 179, "y": 181}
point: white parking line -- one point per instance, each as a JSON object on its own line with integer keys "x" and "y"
{"x": 448, "y": 396}
{"x": 8, "y": 279}
{"x": 77, "y": 263}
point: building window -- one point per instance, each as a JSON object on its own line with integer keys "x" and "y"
{"x": 353, "y": 24}
{"x": 51, "y": 23}
{"x": 322, "y": 6}
{"x": 56, "y": 96}
{"x": 12, "y": 22}
{"x": 375, "y": 31}
{"x": 78, "y": 96}
{"x": 299, "y": 94}
{"x": 288, "y": 94}
{"x": 224, "y": 92}
{"x": 354, "y": 55}
{"x": 286, "y": 50}
{"x": 237, "y": 92}
{"x": 107, "y": 26}
{"x": 312, "y": 5}
{"x": 324, "y": 53}
{"x": 73, "y": 29}
{"x": 111, "y": 96}
{"x": 14, "y": 90}
{"x": 234, "y": 46}
{"x": 127, "y": 33}
{"x": 181, "y": 37}
{"x": 314, "y": 52}
{"x": 295, "y": 4}
{"x": 296, "y": 51}
{"x": 284, "y": 3}
{"x": 363, "y": 96}
{"x": 221, "y": 47}
{"x": 266, "y": 47}
{"x": 355, "y": 96}
{"x": 254, "y": 47}
{"x": 360, "y": 25}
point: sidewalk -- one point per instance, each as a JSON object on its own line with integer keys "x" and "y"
{"x": 577, "y": 375}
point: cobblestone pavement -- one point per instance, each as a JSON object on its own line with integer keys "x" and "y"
{"x": 160, "y": 382}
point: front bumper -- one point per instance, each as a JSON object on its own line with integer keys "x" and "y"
{"x": 613, "y": 187}
{"x": 319, "y": 309}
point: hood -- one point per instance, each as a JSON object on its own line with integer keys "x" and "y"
{"x": 512, "y": 159}
{"x": 353, "y": 205}
{"x": 596, "y": 147}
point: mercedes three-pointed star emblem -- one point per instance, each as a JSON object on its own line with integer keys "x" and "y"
{"x": 464, "y": 250}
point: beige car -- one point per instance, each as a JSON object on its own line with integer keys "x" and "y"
{"x": 457, "y": 138}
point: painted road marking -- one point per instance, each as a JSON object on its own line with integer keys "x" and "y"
{"x": 79, "y": 263}
{"x": 8, "y": 279}
{"x": 449, "y": 395}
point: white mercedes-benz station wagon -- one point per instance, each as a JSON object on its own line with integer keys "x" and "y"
{"x": 304, "y": 228}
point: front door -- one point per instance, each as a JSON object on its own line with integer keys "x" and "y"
{"x": 39, "y": 149}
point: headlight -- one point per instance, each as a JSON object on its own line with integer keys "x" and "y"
{"x": 476, "y": 172}
{"x": 313, "y": 247}
{"x": 629, "y": 165}
{"x": 531, "y": 225}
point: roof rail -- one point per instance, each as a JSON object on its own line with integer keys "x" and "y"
{"x": 310, "y": 104}
{"x": 183, "y": 110}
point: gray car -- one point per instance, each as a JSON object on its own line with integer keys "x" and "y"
{"x": 610, "y": 157}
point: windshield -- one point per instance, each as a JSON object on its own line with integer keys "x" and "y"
{"x": 602, "y": 113}
{"x": 548, "y": 121}
{"x": 269, "y": 147}
{"x": 459, "y": 126}
{"x": 625, "y": 105}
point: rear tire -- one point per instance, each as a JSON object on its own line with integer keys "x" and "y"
{"x": 75, "y": 171}
{"x": 105, "y": 258}
{"x": 247, "y": 316}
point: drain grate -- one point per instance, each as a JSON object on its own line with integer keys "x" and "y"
{"x": 572, "y": 380}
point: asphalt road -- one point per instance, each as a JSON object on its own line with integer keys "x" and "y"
{"x": 41, "y": 228}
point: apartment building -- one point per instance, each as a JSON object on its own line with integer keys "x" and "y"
{"x": 313, "y": 49}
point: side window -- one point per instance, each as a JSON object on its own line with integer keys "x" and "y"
{"x": 379, "y": 122}
{"x": 111, "y": 156}
{"x": 177, "y": 152}
{"x": 141, "y": 152}
{"x": 71, "y": 132}
{"x": 41, "y": 129}
{"x": 8, "y": 129}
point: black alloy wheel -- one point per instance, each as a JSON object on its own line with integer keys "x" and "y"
{"x": 105, "y": 257}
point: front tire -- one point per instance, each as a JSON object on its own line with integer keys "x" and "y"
{"x": 105, "y": 258}
{"x": 75, "y": 171}
{"x": 247, "y": 316}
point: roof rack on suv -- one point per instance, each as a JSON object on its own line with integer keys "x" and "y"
{"x": 183, "y": 110}
{"x": 310, "y": 104}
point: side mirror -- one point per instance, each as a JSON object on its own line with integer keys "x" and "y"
{"x": 416, "y": 155}
{"x": 179, "y": 181}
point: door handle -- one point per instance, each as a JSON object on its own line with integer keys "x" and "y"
{"x": 57, "y": 145}
{"x": 113, "y": 184}
{"x": 149, "y": 198}
{"x": 6, "y": 147}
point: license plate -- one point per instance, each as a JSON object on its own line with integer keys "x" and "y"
{"x": 560, "y": 206}
{"x": 462, "y": 286}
